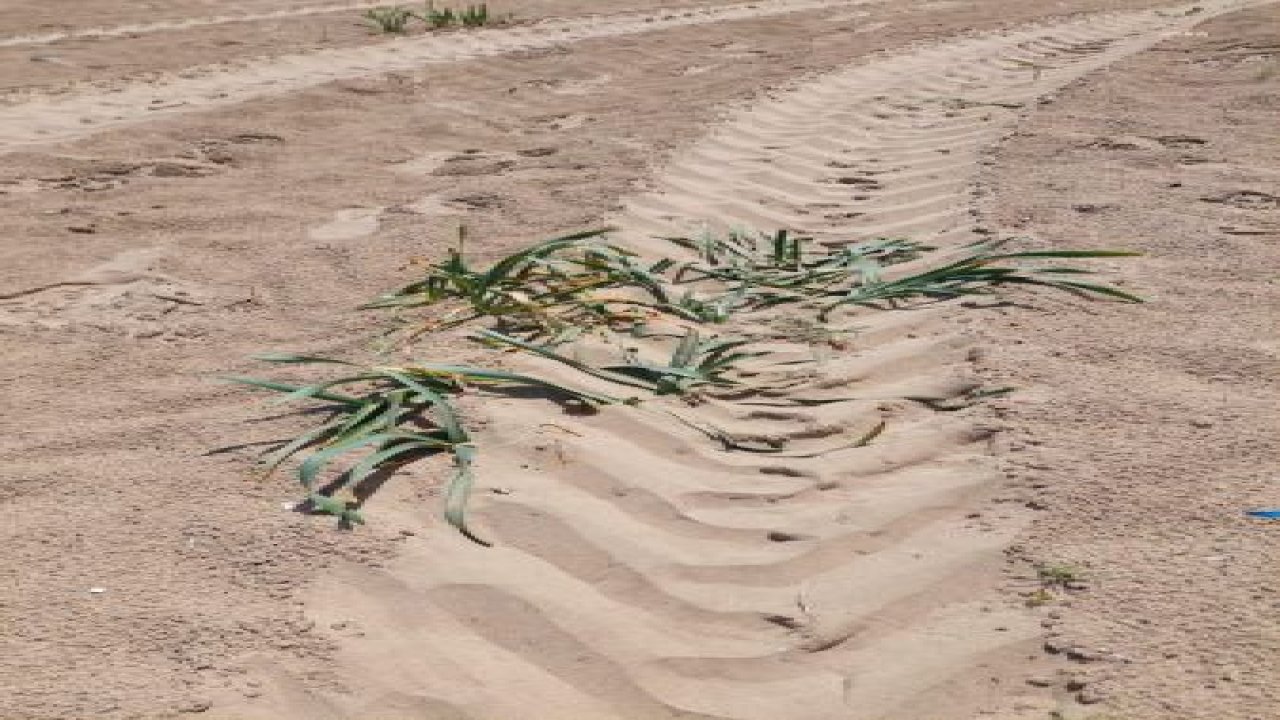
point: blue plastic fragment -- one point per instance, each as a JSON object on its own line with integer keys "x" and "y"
{"x": 1268, "y": 514}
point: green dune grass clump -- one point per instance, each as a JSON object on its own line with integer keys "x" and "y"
{"x": 391, "y": 20}
{"x": 394, "y": 19}
{"x": 694, "y": 309}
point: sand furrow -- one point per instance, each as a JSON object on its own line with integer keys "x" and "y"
{"x": 640, "y": 572}
{"x": 895, "y": 136}
{"x": 82, "y": 114}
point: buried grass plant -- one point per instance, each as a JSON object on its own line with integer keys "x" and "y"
{"x": 547, "y": 299}
{"x": 694, "y": 362}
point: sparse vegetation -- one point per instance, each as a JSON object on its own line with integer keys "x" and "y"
{"x": 401, "y": 413}
{"x": 578, "y": 281}
{"x": 438, "y": 18}
{"x": 474, "y": 15}
{"x": 1059, "y": 575}
{"x": 555, "y": 289}
{"x": 694, "y": 362}
{"x": 395, "y": 19}
{"x": 391, "y": 20}
{"x": 1269, "y": 70}
{"x": 1039, "y": 598}
{"x": 1054, "y": 580}
{"x": 648, "y": 324}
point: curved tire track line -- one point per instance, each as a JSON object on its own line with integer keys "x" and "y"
{"x": 886, "y": 117}
{"x": 172, "y": 25}
{"x": 130, "y": 29}
{"x": 57, "y": 119}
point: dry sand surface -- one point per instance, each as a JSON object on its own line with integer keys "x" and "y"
{"x": 1142, "y": 439}
{"x": 187, "y": 184}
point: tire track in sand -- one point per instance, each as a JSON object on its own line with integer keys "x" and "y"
{"x": 188, "y": 24}
{"x": 639, "y": 573}
{"x": 62, "y": 118}
{"x": 160, "y": 26}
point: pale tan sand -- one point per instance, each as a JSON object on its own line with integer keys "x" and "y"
{"x": 638, "y": 571}
{"x": 56, "y": 119}
{"x": 106, "y": 45}
{"x": 1144, "y": 437}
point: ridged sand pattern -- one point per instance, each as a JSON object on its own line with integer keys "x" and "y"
{"x": 641, "y": 572}
{"x": 85, "y": 113}
{"x": 185, "y": 24}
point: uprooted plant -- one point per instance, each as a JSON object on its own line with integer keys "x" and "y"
{"x": 553, "y": 299}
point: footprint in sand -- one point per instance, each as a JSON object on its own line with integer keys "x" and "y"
{"x": 564, "y": 121}
{"x": 581, "y": 87}
{"x": 1246, "y": 200}
{"x": 123, "y": 295}
{"x": 348, "y": 224}
{"x": 872, "y": 27}
{"x": 433, "y": 205}
{"x": 466, "y": 162}
{"x": 424, "y": 164}
{"x": 849, "y": 16}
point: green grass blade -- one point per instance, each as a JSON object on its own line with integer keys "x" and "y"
{"x": 376, "y": 461}
{"x": 351, "y": 427}
{"x": 686, "y": 350}
{"x": 445, "y": 413}
{"x": 320, "y": 389}
{"x": 295, "y": 359}
{"x": 312, "y": 466}
{"x": 331, "y": 506}
{"x": 272, "y": 460}
{"x": 1078, "y": 287}
{"x": 287, "y": 388}
{"x": 459, "y": 492}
